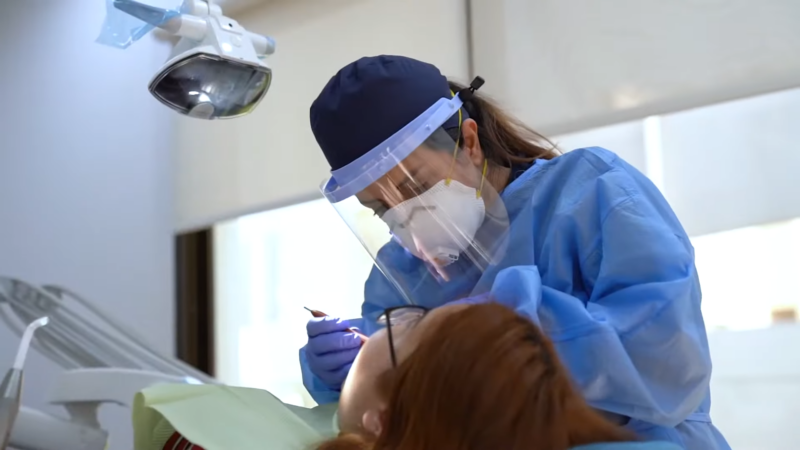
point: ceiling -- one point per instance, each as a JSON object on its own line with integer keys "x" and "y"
{"x": 570, "y": 65}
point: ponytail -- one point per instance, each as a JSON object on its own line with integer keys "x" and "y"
{"x": 505, "y": 140}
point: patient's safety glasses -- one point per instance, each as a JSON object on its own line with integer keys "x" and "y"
{"x": 400, "y": 316}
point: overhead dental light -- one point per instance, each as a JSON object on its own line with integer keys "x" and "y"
{"x": 217, "y": 68}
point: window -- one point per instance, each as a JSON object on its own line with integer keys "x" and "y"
{"x": 270, "y": 266}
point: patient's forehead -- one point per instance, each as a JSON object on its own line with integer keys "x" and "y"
{"x": 360, "y": 390}
{"x": 375, "y": 355}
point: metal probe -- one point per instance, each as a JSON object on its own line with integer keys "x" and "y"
{"x": 317, "y": 313}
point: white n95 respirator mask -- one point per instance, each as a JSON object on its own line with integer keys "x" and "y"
{"x": 439, "y": 224}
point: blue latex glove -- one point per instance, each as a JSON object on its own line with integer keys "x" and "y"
{"x": 331, "y": 349}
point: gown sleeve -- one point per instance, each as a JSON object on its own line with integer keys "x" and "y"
{"x": 637, "y": 347}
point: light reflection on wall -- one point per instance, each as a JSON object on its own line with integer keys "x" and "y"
{"x": 288, "y": 258}
{"x": 747, "y": 273}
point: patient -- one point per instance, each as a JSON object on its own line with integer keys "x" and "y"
{"x": 467, "y": 377}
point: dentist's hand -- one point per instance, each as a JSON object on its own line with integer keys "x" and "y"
{"x": 331, "y": 349}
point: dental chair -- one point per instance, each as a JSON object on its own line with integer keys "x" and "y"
{"x": 103, "y": 362}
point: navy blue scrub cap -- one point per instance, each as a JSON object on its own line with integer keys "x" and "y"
{"x": 371, "y": 99}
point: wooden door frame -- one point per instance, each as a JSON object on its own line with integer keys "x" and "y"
{"x": 194, "y": 299}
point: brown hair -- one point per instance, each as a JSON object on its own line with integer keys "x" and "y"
{"x": 504, "y": 139}
{"x": 485, "y": 378}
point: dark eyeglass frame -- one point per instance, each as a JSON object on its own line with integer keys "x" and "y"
{"x": 387, "y": 317}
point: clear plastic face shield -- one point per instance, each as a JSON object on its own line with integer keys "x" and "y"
{"x": 422, "y": 193}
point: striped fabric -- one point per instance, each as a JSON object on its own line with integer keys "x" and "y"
{"x": 178, "y": 442}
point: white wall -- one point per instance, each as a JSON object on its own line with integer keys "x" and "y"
{"x": 86, "y": 193}
{"x": 738, "y": 159}
{"x": 270, "y": 158}
{"x": 755, "y": 390}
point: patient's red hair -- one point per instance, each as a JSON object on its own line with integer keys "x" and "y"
{"x": 484, "y": 379}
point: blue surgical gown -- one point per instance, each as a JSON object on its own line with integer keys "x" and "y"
{"x": 599, "y": 260}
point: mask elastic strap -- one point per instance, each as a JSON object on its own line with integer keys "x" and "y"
{"x": 483, "y": 178}
{"x": 455, "y": 155}
{"x": 455, "y": 150}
